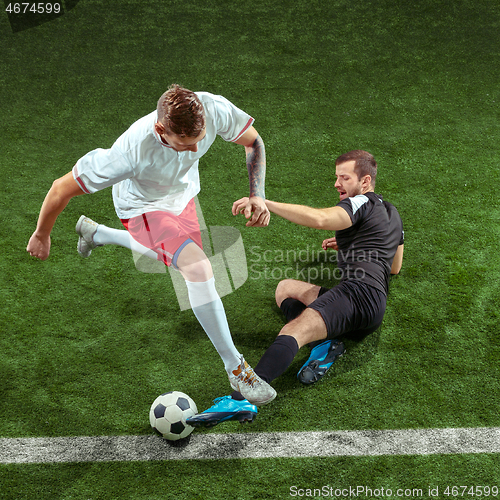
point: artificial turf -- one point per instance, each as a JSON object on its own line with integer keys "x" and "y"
{"x": 87, "y": 345}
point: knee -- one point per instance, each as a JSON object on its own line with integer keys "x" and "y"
{"x": 308, "y": 327}
{"x": 198, "y": 271}
{"x": 282, "y": 291}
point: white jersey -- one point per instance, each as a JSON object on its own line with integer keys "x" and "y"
{"x": 148, "y": 175}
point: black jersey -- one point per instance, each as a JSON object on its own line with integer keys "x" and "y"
{"x": 367, "y": 248}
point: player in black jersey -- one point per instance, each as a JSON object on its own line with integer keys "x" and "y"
{"x": 369, "y": 241}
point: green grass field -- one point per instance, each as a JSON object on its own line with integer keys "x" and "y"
{"x": 87, "y": 345}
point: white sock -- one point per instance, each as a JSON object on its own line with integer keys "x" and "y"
{"x": 203, "y": 297}
{"x": 209, "y": 311}
{"x": 108, "y": 236}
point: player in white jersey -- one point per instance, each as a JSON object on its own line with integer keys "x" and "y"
{"x": 153, "y": 171}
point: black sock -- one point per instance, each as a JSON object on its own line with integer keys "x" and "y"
{"x": 275, "y": 361}
{"x": 277, "y": 358}
{"x": 292, "y": 308}
{"x": 237, "y": 395}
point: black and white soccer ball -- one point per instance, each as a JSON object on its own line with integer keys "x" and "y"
{"x": 168, "y": 415}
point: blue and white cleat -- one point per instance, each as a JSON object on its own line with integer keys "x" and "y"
{"x": 224, "y": 408}
{"x": 321, "y": 358}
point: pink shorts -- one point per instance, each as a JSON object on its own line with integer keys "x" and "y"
{"x": 164, "y": 232}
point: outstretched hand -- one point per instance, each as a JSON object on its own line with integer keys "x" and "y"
{"x": 253, "y": 208}
{"x": 39, "y": 247}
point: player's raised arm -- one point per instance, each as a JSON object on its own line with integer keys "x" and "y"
{"x": 57, "y": 198}
{"x": 256, "y": 166}
{"x": 331, "y": 219}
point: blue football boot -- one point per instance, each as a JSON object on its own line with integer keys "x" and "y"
{"x": 321, "y": 358}
{"x": 224, "y": 408}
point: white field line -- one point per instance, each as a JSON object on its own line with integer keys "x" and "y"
{"x": 251, "y": 445}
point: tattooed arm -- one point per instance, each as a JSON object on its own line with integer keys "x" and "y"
{"x": 256, "y": 166}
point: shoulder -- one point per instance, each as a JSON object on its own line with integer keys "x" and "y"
{"x": 214, "y": 104}
{"x": 394, "y": 218}
{"x": 207, "y": 97}
{"x": 223, "y": 117}
{"x": 369, "y": 205}
{"x": 140, "y": 130}
{"x": 391, "y": 209}
{"x": 146, "y": 122}
{"x": 353, "y": 204}
{"x": 142, "y": 126}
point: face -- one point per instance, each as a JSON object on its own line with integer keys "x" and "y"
{"x": 347, "y": 183}
{"x": 178, "y": 142}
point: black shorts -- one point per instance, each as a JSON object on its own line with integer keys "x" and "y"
{"x": 350, "y": 307}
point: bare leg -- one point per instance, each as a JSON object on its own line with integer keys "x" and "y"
{"x": 308, "y": 327}
{"x": 194, "y": 264}
{"x": 295, "y": 289}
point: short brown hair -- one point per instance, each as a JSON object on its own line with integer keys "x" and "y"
{"x": 365, "y": 163}
{"x": 180, "y": 111}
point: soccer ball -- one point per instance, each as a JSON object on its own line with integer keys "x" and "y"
{"x": 168, "y": 414}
